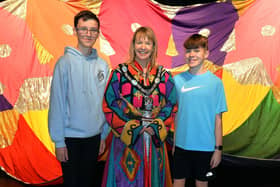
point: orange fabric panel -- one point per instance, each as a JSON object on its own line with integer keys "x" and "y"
{"x": 46, "y": 24}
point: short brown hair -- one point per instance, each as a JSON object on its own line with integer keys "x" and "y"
{"x": 196, "y": 41}
{"x": 85, "y": 15}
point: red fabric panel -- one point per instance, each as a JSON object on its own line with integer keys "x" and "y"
{"x": 117, "y": 18}
{"x": 251, "y": 41}
{"x": 28, "y": 159}
{"x": 22, "y": 62}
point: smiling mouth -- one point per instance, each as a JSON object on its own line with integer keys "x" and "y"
{"x": 143, "y": 52}
{"x": 88, "y": 39}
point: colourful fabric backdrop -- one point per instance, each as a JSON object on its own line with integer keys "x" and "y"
{"x": 244, "y": 43}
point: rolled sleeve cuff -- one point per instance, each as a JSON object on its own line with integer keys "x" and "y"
{"x": 60, "y": 144}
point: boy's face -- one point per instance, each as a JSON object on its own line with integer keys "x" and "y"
{"x": 87, "y": 32}
{"x": 195, "y": 57}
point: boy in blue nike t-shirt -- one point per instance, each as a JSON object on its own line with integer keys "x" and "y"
{"x": 198, "y": 129}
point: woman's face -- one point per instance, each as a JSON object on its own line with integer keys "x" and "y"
{"x": 143, "y": 48}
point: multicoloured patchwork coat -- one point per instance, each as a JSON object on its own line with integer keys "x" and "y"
{"x": 135, "y": 160}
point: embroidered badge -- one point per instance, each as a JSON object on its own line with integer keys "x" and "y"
{"x": 100, "y": 75}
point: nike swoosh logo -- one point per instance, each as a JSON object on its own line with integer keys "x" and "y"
{"x": 183, "y": 89}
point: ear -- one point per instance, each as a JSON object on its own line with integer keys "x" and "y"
{"x": 206, "y": 53}
{"x": 74, "y": 31}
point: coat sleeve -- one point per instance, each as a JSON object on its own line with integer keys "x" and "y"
{"x": 164, "y": 122}
{"x": 105, "y": 128}
{"x": 120, "y": 114}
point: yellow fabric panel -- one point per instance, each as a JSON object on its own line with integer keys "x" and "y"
{"x": 242, "y": 100}
{"x": 43, "y": 55}
{"x": 207, "y": 64}
{"x": 93, "y": 5}
{"x": 179, "y": 69}
{"x": 38, "y": 122}
{"x": 242, "y": 6}
{"x": 276, "y": 87}
{"x": 171, "y": 50}
{"x": 276, "y": 93}
{"x": 8, "y": 127}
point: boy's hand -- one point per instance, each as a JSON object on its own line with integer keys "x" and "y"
{"x": 61, "y": 154}
{"x": 216, "y": 158}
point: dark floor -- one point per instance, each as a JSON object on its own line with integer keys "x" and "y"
{"x": 226, "y": 177}
{"x": 246, "y": 177}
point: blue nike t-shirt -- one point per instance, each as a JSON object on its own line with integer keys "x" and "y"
{"x": 200, "y": 98}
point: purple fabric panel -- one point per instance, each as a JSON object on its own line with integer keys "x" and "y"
{"x": 169, "y": 87}
{"x": 219, "y": 18}
{"x": 4, "y": 104}
{"x": 120, "y": 176}
{"x": 115, "y": 86}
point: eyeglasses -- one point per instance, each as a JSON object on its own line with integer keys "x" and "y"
{"x": 85, "y": 30}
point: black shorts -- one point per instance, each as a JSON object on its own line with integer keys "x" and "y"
{"x": 191, "y": 164}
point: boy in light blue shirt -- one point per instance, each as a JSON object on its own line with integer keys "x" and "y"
{"x": 77, "y": 123}
{"x": 198, "y": 128}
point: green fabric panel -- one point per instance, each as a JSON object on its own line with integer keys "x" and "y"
{"x": 259, "y": 135}
{"x": 155, "y": 178}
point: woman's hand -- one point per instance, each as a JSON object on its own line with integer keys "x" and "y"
{"x": 102, "y": 147}
{"x": 148, "y": 130}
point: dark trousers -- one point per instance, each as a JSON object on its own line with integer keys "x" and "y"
{"x": 79, "y": 170}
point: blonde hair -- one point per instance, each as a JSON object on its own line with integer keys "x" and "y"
{"x": 143, "y": 32}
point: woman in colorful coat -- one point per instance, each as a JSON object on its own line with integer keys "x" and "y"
{"x": 139, "y": 105}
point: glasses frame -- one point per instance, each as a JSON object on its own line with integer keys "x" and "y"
{"x": 85, "y": 30}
